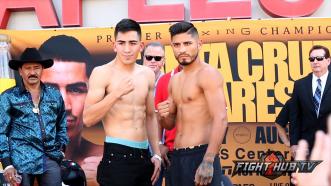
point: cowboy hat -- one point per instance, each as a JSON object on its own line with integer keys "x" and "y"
{"x": 30, "y": 55}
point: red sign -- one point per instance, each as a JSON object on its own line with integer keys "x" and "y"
{"x": 140, "y": 11}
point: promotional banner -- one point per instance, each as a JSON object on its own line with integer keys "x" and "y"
{"x": 259, "y": 60}
{"x": 6, "y": 75}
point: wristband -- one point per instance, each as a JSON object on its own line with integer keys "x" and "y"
{"x": 157, "y": 157}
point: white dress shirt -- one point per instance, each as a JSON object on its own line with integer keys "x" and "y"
{"x": 323, "y": 82}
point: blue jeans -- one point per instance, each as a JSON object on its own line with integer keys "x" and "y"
{"x": 51, "y": 176}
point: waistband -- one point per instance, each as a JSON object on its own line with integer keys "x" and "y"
{"x": 190, "y": 150}
{"x": 117, "y": 151}
{"x": 129, "y": 143}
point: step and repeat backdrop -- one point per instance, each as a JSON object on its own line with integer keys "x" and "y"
{"x": 259, "y": 59}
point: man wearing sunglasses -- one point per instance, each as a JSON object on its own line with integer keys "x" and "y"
{"x": 154, "y": 58}
{"x": 311, "y": 99}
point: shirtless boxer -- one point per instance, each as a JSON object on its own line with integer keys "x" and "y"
{"x": 121, "y": 95}
{"x": 197, "y": 104}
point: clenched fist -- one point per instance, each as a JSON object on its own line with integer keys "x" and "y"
{"x": 164, "y": 108}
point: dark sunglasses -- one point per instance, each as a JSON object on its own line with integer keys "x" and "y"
{"x": 156, "y": 58}
{"x": 318, "y": 58}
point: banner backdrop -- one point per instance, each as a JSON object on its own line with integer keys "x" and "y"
{"x": 259, "y": 60}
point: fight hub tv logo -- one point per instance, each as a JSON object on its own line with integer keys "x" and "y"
{"x": 272, "y": 165}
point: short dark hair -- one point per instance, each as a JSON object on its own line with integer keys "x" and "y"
{"x": 154, "y": 44}
{"x": 126, "y": 25}
{"x": 183, "y": 27}
{"x": 317, "y": 47}
{"x": 66, "y": 48}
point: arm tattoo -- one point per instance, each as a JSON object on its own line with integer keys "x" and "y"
{"x": 206, "y": 169}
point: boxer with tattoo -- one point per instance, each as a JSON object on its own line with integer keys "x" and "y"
{"x": 197, "y": 105}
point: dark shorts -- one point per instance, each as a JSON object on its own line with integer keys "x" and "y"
{"x": 124, "y": 166}
{"x": 185, "y": 162}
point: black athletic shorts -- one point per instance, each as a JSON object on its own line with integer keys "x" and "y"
{"x": 185, "y": 162}
{"x": 125, "y": 166}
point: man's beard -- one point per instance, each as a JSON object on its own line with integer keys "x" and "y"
{"x": 185, "y": 63}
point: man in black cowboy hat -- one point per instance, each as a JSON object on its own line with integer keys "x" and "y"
{"x": 33, "y": 132}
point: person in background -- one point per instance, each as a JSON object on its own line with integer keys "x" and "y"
{"x": 311, "y": 99}
{"x": 154, "y": 58}
{"x": 166, "y": 144}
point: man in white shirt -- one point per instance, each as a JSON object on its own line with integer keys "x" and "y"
{"x": 312, "y": 98}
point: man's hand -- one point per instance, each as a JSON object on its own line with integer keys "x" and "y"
{"x": 157, "y": 169}
{"x": 165, "y": 160}
{"x": 164, "y": 108}
{"x": 124, "y": 87}
{"x": 166, "y": 113}
{"x": 9, "y": 175}
{"x": 293, "y": 150}
{"x": 321, "y": 151}
{"x": 89, "y": 165}
{"x": 204, "y": 173}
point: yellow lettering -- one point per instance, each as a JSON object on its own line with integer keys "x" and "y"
{"x": 171, "y": 61}
{"x": 244, "y": 65}
{"x": 275, "y": 53}
{"x": 263, "y": 101}
{"x": 242, "y": 97}
{"x": 283, "y": 90}
{"x": 219, "y": 58}
{"x": 297, "y": 68}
